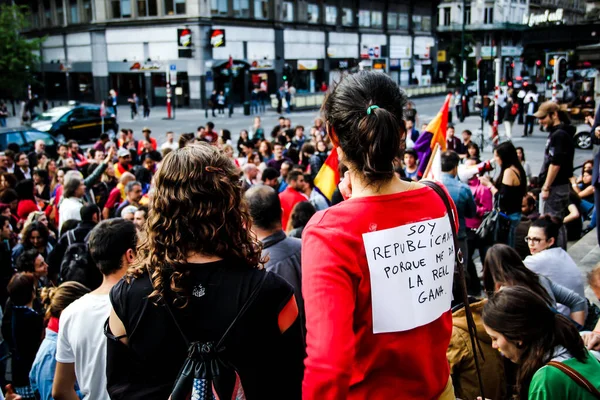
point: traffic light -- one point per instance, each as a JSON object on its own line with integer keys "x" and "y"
{"x": 287, "y": 72}
{"x": 549, "y": 74}
{"x": 562, "y": 70}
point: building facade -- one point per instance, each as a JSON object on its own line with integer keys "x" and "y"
{"x": 93, "y": 46}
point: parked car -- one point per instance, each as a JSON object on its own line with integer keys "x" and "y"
{"x": 583, "y": 137}
{"x": 25, "y": 137}
{"x": 81, "y": 122}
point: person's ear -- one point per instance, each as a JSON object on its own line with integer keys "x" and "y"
{"x": 130, "y": 256}
{"x": 551, "y": 242}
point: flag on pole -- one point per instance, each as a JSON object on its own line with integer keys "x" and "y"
{"x": 328, "y": 177}
{"x": 434, "y": 133}
{"x": 439, "y": 125}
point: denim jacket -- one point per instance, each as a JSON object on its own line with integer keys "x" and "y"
{"x": 463, "y": 198}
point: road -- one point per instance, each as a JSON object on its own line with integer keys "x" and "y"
{"x": 187, "y": 120}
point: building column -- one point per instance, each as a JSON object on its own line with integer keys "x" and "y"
{"x": 279, "y": 56}
{"x": 326, "y": 61}
{"x": 197, "y": 66}
{"x": 100, "y": 65}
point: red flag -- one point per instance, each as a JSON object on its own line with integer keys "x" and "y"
{"x": 439, "y": 125}
{"x": 328, "y": 177}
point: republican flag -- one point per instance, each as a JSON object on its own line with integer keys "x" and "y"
{"x": 439, "y": 125}
{"x": 328, "y": 177}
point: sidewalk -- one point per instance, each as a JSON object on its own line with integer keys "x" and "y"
{"x": 586, "y": 254}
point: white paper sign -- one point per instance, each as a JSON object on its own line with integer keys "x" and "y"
{"x": 411, "y": 269}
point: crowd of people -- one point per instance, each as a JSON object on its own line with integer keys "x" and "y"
{"x": 204, "y": 267}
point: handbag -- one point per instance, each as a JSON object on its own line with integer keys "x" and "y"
{"x": 460, "y": 281}
{"x": 495, "y": 226}
{"x": 577, "y": 377}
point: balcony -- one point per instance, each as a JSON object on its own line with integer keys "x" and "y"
{"x": 496, "y": 26}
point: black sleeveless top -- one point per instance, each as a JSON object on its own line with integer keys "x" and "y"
{"x": 270, "y": 363}
{"x": 511, "y": 197}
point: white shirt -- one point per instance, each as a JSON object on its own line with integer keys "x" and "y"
{"x": 27, "y": 174}
{"x": 557, "y": 265}
{"x": 166, "y": 145}
{"x": 81, "y": 341}
{"x": 69, "y": 209}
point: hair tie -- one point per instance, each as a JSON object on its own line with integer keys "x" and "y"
{"x": 371, "y": 108}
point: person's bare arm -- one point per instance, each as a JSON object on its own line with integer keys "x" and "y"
{"x": 573, "y": 214}
{"x": 579, "y": 317}
{"x": 552, "y": 172}
{"x": 116, "y": 326}
{"x": 64, "y": 382}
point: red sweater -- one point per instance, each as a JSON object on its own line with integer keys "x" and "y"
{"x": 345, "y": 360}
{"x": 26, "y": 207}
{"x": 289, "y": 198}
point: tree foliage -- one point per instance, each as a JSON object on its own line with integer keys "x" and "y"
{"x": 18, "y": 54}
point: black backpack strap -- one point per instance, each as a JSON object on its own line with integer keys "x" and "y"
{"x": 460, "y": 269}
{"x": 70, "y": 237}
{"x": 242, "y": 311}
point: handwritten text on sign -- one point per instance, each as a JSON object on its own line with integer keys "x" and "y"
{"x": 411, "y": 269}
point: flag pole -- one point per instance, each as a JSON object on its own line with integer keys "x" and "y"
{"x": 430, "y": 163}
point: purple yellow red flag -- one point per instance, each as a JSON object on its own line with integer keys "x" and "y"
{"x": 439, "y": 125}
{"x": 328, "y": 177}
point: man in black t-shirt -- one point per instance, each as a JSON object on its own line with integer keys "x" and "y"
{"x": 557, "y": 167}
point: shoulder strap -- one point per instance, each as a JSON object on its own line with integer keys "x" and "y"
{"x": 70, "y": 237}
{"x": 577, "y": 377}
{"x": 242, "y": 311}
{"x": 471, "y": 327}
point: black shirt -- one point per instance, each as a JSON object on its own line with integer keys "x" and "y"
{"x": 270, "y": 363}
{"x": 560, "y": 151}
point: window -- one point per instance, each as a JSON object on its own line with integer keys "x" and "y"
{"x": 32, "y": 136}
{"x": 447, "y": 16}
{"x": 288, "y": 11}
{"x": 219, "y": 7}
{"x": 364, "y": 18}
{"x": 331, "y": 15}
{"x": 426, "y": 24}
{"x": 241, "y": 8}
{"x": 34, "y": 17}
{"x": 392, "y": 21}
{"x": 261, "y": 9}
{"x": 402, "y": 21}
{"x": 376, "y": 19}
{"x": 87, "y": 11}
{"x": 73, "y": 12}
{"x": 312, "y": 13}
{"x": 60, "y": 13}
{"x": 15, "y": 137}
{"x": 488, "y": 15}
{"x": 467, "y": 15}
{"x": 347, "y": 17}
{"x": 121, "y": 9}
{"x": 176, "y": 7}
{"x": 417, "y": 22}
{"x": 47, "y": 13}
{"x": 147, "y": 8}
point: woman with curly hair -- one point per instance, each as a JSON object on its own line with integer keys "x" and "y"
{"x": 198, "y": 265}
{"x": 35, "y": 236}
{"x": 55, "y": 300}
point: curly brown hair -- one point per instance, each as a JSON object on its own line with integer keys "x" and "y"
{"x": 197, "y": 208}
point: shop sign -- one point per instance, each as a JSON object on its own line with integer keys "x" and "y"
{"x": 441, "y": 55}
{"x": 149, "y": 66}
{"x": 308, "y": 65}
{"x": 370, "y": 51}
{"x": 400, "y": 51}
{"x": 217, "y": 38}
{"x": 405, "y": 64}
{"x": 261, "y": 64}
{"x": 547, "y": 16}
{"x": 184, "y": 38}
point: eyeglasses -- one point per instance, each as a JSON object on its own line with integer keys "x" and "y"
{"x": 533, "y": 240}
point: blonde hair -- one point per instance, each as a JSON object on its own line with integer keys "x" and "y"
{"x": 56, "y": 299}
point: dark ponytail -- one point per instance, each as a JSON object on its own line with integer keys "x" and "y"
{"x": 365, "y": 111}
{"x": 536, "y": 325}
{"x": 551, "y": 226}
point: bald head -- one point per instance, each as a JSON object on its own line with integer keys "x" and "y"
{"x": 265, "y": 207}
{"x": 126, "y": 178}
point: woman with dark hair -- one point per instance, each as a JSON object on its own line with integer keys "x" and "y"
{"x": 34, "y": 236}
{"x": 198, "y": 266}
{"x": 524, "y": 163}
{"x": 535, "y": 336}
{"x": 42, "y": 184}
{"x": 243, "y": 141}
{"x": 301, "y": 214}
{"x": 344, "y": 310}
{"x": 7, "y": 181}
{"x": 24, "y": 332}
{"x": 550, "y": 260}
{"x": 32, "y": 261}
{"x": 473, "y": 151}
{"x": 509, "y": 189}
{"x": 27, "y": 203}
{"x": 503, "y": 267}
{"x": 265, "y": 149}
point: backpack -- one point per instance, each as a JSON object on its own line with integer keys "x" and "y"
{"x": 77, "y": 264}
{"x": 206, "y": 374}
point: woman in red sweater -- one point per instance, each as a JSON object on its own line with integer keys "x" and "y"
{"x": 27, "y": 204}
{"x": 377, "y": 302}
